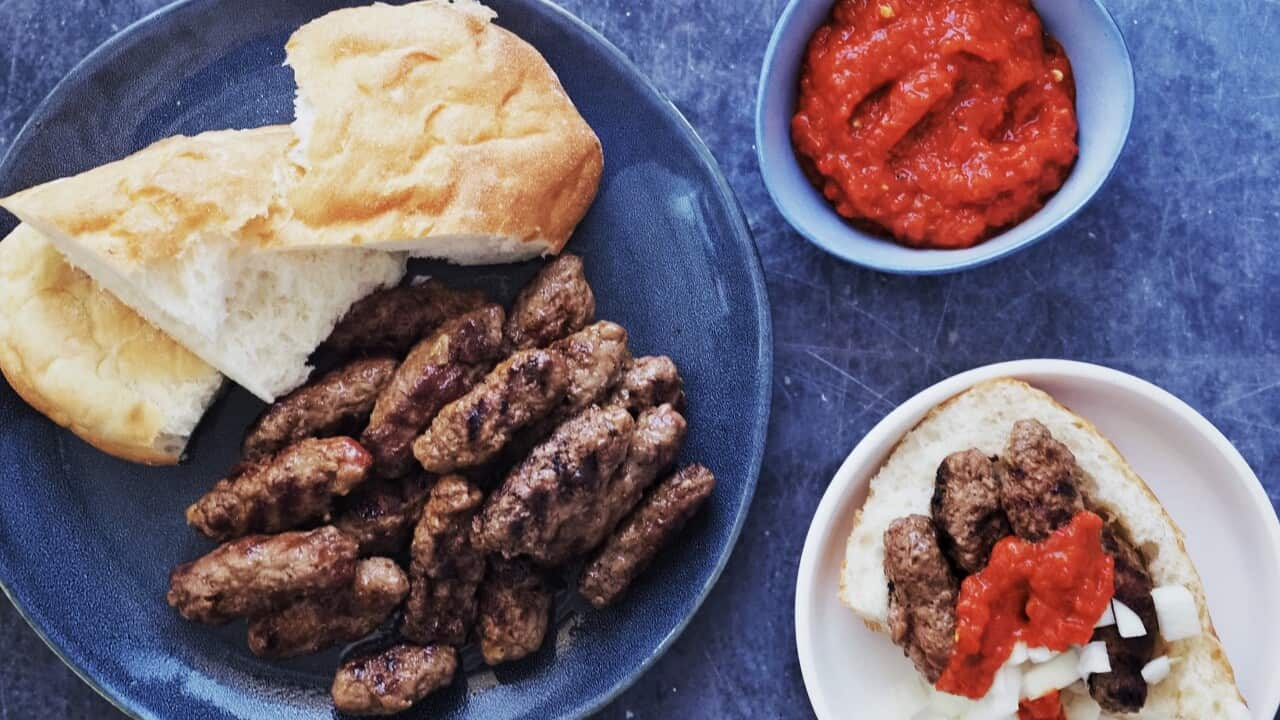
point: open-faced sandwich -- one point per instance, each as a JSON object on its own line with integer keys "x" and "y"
{"x": 1029, "y": 573}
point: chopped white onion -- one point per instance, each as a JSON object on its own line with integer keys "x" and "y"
{"x": 1176, "y": 612}
{"x": 1107, "y": 620}
{"x": 1127, "y": 621}
{"x": 1056, "y": 674}
{"x": 1040, "y": 655}
{"x": 1156, "y": 670}
{"x": 1093, "y": 659}
{"x": 1082, "y": 707}
{"x": 949, "y": 705}
{"x": 1018, "y": 655}
{"x": 1001, "y": 701}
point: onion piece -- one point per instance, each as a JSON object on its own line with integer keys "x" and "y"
{"x": 1176, "y": 612}
{"x": 1001, "y": 701}
{"x": 1018, "y": 655}
{"x": 1107, "y": 620}
{"x": 1156, "y": 670}
{"x": 1040, "y": 655}
{"x": 1093, "y": 659}
{"x": 1056, "y": 674}
{"x": 1127, "y": 621}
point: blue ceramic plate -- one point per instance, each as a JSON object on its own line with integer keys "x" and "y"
{"x": 1104, "y": 111}
{"x": 87, "y": 542}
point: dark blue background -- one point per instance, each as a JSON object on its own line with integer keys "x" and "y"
{"x": 1170, "y": 274}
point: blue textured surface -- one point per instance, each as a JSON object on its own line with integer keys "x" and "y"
{"x": 1172, "y": 273}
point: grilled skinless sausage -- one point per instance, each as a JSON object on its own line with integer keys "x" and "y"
{"x": 659, "y": 432}
{"x": 471, "y": 430}
{"x": 380, "y": 514}
{"x": 393, "y": 680}
{"x": 594, "y": 359}
{"x": 966, "y": 509}
{"x": 556, "y": 302}
{"x": 922, "y": 594}
{"x": 1123, "y": 690}
{"x": 446, "y": 568}
{"x": 439, "y": 370}
{"x": 338, "y": 403}
{"x": 533, "y": 512}
{"x": 313, "y": 624}
{"x": 261, "y": 573}
{"x": 295, "y": 487}
{"x": 392, "y": 320}
{"x": 515, "y": 608}
{"x": 1041, "y": 490}
{"x": 1039, "y": 482}
{"x": 657, "y": 520}
{"x": 648, "y": 382}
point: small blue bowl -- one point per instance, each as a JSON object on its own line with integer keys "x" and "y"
{"x": 1104, "y": 109}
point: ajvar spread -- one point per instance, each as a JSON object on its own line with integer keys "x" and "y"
{"x": 940, "y": 122}
{"x": 1045, "y": 707}
{"x": 1046, "y": 594}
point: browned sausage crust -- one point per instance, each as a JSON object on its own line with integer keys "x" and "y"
{"x": 336, "y": 404}
{"x": 515, "y": 608}
{"x": 313, "y": 624}
{"x": 595, "y": 357}
{"x": 557, "y": 302}
{"x": 966, "y": 508}
{"x": 437, "y": 371}
{"x": 922, "y": 594}
{"x": 446, "y": 568}
{"x": 1123, "y": 690}
{"x": 290, "y": 489}
{"x": 637, "y": 541}
{"x": 260, "y": 573}
{"x": 533, "y": 512}
{"x": 471, "y": 430}
{"x": 392, "y": 320}
{"x": 659, "y": 432}
{"x": 380, "y": 514}
{"x": 1039, "y": 482}
{"x": 393, "y": 680}
{"x": 648, "y": 382}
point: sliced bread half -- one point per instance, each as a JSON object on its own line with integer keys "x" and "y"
{"x": 426, "y": 127}
{"x": 88, "y": 362}
{"x": 175, "y": 231}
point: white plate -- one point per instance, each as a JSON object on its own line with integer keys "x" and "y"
{"x": 1231, "y": 530}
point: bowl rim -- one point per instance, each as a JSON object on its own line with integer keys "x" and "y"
{"x": 113, "y": 693}
{"x": 865, "y": 456}
{"x": 767, "y": 78}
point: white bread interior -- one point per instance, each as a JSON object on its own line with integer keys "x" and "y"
{"x": 1202, "y": 684}
{"x": 175, "y": 232}
{"x": 84, "y": 359}
{"x": 427, "y": 128}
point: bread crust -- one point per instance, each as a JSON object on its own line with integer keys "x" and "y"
{"x": 79, "y": 356}
{"x": 471, "y": 132}
{"x": 1192, "y": 692}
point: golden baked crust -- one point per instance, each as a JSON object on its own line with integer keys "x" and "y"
{"x": 427, "y": 119}
{"x": 78, "y": 355}
{"x": 159, "y": 203}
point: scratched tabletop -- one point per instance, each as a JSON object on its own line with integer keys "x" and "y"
{"x": 1172, "y": 273}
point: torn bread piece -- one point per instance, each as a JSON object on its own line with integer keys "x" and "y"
{"x": 426, "y": 127}
{"x": 1201, "y": 683}
{"x": 175, "y": 232}
{"x": 88, "y": 362}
